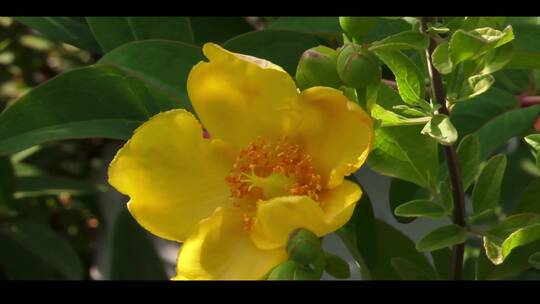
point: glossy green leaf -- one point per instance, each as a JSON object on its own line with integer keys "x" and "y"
{"x": 81, "y": 103}
{"x": 112, "y": 32}
{"x": 391, "y": 119}
{"x": 402, "y": 192}
{"x": 442, "y": 260}
{"x": 359, "y": 235}
{"x": 164, "y": 64}
{"x": 475, "y": 85}
{"x": 391, "y": 244}
{"x": 337, "y": 267}
{"x": 44, "y": 243}
{"x": 487, "y": 190}
{"x": 472, "y": 44}
{"x": 218, "y": 29}
{"x": 283, "y": 48}
{"x": 324, "y": 26}
{"x": 404, "y": 153}
{"x": 468, "y": 153}
{"x": 515, "y": 263}
{"x": 409, "y": 80}
{"x": 442, "y": 237}
{"x": 534, "y": 141}
{"x": 534, "y": 260}
{"x": 422, "y": 208}
{"x": 41, "y": 185}
{"x": 409, "y": 271}
{"x": 441, "y": 129}
{"x": 408, "y": 40}
{"x": 133, "y": 256}
{"x": 500, "y": 129}
{"x": 530, "y": 201}
{"x": 441, "y": 59}
{"x": 498, "y": 252}
{"x": 66, "y": 29}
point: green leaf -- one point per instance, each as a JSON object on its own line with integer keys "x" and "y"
{"x": 391, "y": 244}
{"x": 66, "y": 29}
{"x": 41, "y": 185}
{"x": 409, "y": 80}
{"x": 487, "y": 190}
{"x": 473, "y": 44}
{"x": 385, "y": 27}
{"x": 500, "y": 129}
{"x": 409, "y": 40}
{"x": 402, "y": 192}
{"x": 475, "y": 85}
{"x": 534, "y": 141}
{"x": 163, "y": 64}
{"x": 442, "y": 260}
{"x": 441, "y": 129}
{"x": 524, "y": 60}
{"x": 218, "y": 29}
{"x": 359, "y": 235}
{"x": 441, "y": 59}
{"x": 514, "y": 264}
{"x": 7, "y": 185}
{"x": 534, "y": 260}
{"x": 337, "y": 267}
{"x": 112, "y": 32}
{"x": 423, "y": 208}
{"x": 442, "y": 237}
{"x": 391, "y": 119}
{"x": 497, "y": 252}
{"x": 530, "y": 201}
{"x": 42, "y": 242}
{"x": 468, "y": 153}
{"x": 133, "y": 256}
{"x": 283, "y": 48}
{"x": 81, "y": 103}
{"x": 409, "y": 271}
{"x": 470, "y": 116}
{"x": 404, "y": 153}
{"x": 322, "y": 26}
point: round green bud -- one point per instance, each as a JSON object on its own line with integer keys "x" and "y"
{"x": 317, "y": 67}
{"x": 356, "y": 28}
{"x": 304, "y": 247}
{"x": 358, "y": 67}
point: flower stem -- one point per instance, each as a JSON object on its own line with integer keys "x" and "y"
{"x": 451, "y": 157}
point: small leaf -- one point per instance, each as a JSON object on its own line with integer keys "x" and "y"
{"x": 402, "y": 192}
{"x": 442, "y": 237}
{"x": 441, "y": 59}
{"x": 523, "y": 236}
{"x": 474, "y": 86}
{"x": 408, "y": 77}
{"x": 530, "y": 201}
{"x": 534, "y": 260}
{"x": 469, "y": 45}
{"x": 468, "y": 153}
{"x": 409, "y": 271}
{"x": 391, "y": 119}
{"x": 487, "y": 189}
{"x": 337, "y": 267}
{"x": 408, "y": 40}
{"x": 441, "y": 129}
{"x": 423, "y": 208}
{"x": 534, "y": 141}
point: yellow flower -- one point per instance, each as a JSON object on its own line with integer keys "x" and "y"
{"x": 275, "y": 161}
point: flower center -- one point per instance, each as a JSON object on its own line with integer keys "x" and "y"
{"x": 267, "y": 169}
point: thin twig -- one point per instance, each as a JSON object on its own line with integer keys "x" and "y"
{"x": 451, "y": 157}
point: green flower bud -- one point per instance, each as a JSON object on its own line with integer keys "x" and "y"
{"x": 291, "y": 270}
{"x": 356, "y": 28}
{"x": 358, "y": 67}
{"x": 304, "y": 247}
{"x": 317, "y": 67}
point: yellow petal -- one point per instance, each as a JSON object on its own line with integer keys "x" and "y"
{"x": 239, "y": 98}
{"x": 221, "y": 249}
{"x": 174, "y": 176}
{"x": 336, "y": 132}
{"x": 278, "y": 217}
